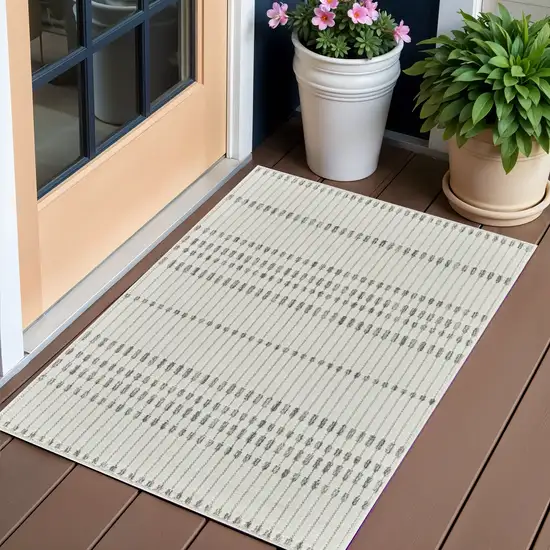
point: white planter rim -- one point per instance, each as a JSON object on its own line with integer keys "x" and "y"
{"x": 395, "y": 52}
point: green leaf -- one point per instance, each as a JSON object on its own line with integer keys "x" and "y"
{"x": 525, "y": 143}
{"x": 543, "y": 73}
{"x": 535, "y": 79}
{"x": 517, "y": 71}
{"x": 483, "y": 45}
{"x": 534, "y": 115}
{"x": 475, "y": 26}
{"x": 483, "y": 57}
{"x": 485, "y": 69}
{"x": 507, "y": 127}
{"x": 498, "y": 85}
{"x": 539, "y": 44}
{"x": 466, "y": 127}
{"x": 545, "y": 88}
{"x": 509, "y": 94}
{"x": 466, "y": 112}
{"x": 496, "y": 138}
{"x": 427, "y": 83}
{"x": 450, "y": 130}
{"x": 522, "y": 112}
{"x": 460, "y": 70}
{"x": 482, "y": 106}
{"x": 509, "y": 153}
{"x": 525, "y": 103}
{"x": 523, "y": 90}
{"x": 497, "y": 49}
{"x": 505, "y": 16}
{"x": 429, "y": 124}
{"x": 460, "y": 140}
{"x": 470, "y": 75}
{"x": 452, "y": 110}
{"x": 545, "y": 110}
{"x": 534, "y": 94}
{"x": 527, "y": 126}
{"x": 477, "y": 129}
{"x": 455, "y": 88}
{"x": 455, "y": 54}
{"x": 499, "y": 61}
{"x": 544, "y": 141}
{"x": 517, "y": 47}
{"x": 443, "y": 39}
{"x": 417, "y": 69}
{"x": 496, "y": 74}
{"x": 509, "y": 80}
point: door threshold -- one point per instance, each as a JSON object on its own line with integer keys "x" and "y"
{"x": 95, "y": 285}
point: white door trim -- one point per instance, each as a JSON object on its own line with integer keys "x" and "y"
{"x": 240, "y": 85}
{"x": 449, "y": 19}
{"x": 11, "y": 321}
{"x": 240, "y": 93}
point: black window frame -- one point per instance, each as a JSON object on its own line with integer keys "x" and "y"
{"x": 82, "y": 58}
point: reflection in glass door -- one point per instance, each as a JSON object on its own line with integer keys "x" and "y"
{"x": 100, "y": 67}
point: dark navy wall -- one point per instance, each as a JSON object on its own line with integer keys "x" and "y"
{"x": 275, "y": 92}
{"x": 421, "y": 16}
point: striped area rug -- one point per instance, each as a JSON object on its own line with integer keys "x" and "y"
{"x": 274, "y": 367}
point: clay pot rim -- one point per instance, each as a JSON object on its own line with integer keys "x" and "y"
{"x": 494, "y": 214}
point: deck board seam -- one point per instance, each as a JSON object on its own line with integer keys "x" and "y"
{"x": 113, "y": 520}
{"x": 39, "y": 502}
{"x": 495, "y": 444}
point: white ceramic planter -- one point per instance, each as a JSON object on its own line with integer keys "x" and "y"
{"x": 345, "y": 104}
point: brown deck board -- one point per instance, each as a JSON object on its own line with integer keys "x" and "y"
{"x": 531, "y": 232}
{"x": 417, "y": 185}
{"x": 75, "y": 515}
{"x": 440, "y": 207}
{"x": 27, "y": 476}
{"x": 217, "y": 537}
{"x": 275, "y": 147}
{"x": 542, "y": 541}
{"x": 295, "y": 163}
{"x": 149, "y": 520}
{"x": 425, "y": 494}
{"x": 509, "y": 500}
{"x": 392, "y": 161}
{"x": 4, "y": 440}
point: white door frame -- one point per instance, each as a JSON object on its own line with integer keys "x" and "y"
{"x": 450, "y": 19}
{"x": 13, "y": 340}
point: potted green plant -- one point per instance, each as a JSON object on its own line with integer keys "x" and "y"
{"x": 488, "y": 87}
{"x": 346, "y": 63}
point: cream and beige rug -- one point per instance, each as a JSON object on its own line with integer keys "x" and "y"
{"x": 272, "y": 370}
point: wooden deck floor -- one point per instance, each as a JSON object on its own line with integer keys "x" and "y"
{"x": 477, "y": 477}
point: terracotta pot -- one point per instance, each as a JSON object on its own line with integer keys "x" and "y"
{"x": 479, "y": 189}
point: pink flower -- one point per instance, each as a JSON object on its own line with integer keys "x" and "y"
{"x": 330, "y": 4}
{"x": 277, "y": 15}
{"x": 401, "y": 32}
{"x": 371, "y": 9}
{"x": 323, "y": 18}
{"x": 364, "y": 13}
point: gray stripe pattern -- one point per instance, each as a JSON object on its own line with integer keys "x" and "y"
{"x": 274, "y": 367}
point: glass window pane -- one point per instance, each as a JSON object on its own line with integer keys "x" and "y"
{"x": 53, "y": 31}
{"x": 115, "y": 86}
{"x": 56, "y": 129}
{"x": 170, "y": 49}
{"x": 109, "y": 13}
